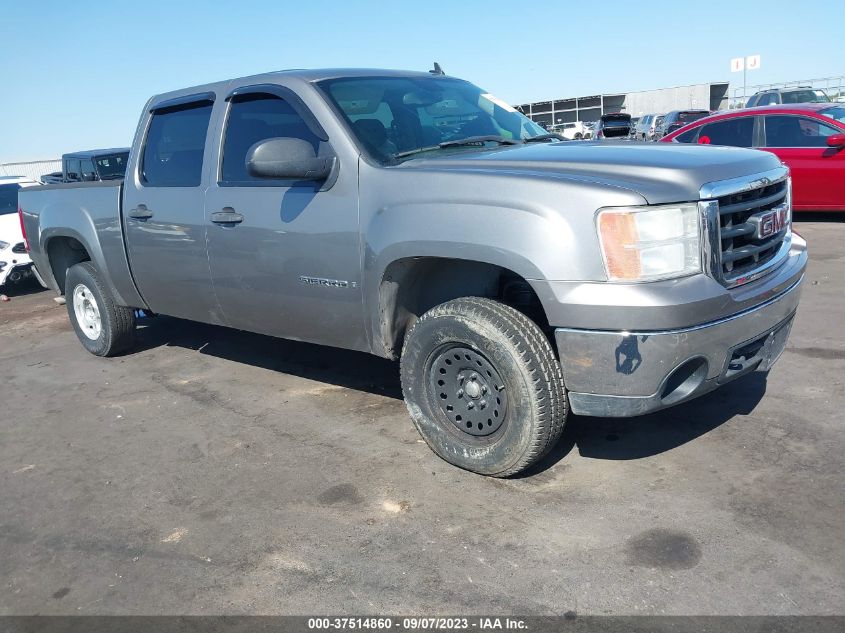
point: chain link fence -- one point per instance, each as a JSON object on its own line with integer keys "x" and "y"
{"x": 33, "y": 170}
{"x": 833, "y": 86}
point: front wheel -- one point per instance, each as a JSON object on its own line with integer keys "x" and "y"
{"x": 103, "y": 328}
{"x": 483, "y": 386}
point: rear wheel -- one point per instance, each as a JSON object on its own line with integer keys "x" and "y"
{"x": 483, "y": 386}
{"x": 103, "y": 328}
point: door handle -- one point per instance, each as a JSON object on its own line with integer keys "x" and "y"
{"x": 141, "y": 212}
{"x": 227, "y": 216}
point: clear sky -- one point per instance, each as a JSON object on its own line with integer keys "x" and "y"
{"x": 75, "y": 75}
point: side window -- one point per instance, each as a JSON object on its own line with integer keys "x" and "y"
{"x": 253, "y": 118}
{"x": 72, "y": 169}
{"x": 738, "y": 132}
{"x": 794, "y": 131}
{"x": 688, "y": 136}
{"x": 174, "y": 146}
{"x": 86, "y": 170}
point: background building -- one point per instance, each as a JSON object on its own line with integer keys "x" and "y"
{"x": 710, "y": 96}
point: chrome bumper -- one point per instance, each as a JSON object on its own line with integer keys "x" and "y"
{"x": 622, "y": 374}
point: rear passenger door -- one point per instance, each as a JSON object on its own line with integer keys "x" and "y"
{"x": 734, "y": 132}
{"x": 163, "y": 210}
{"x": 289, "y": 264}
{"x": 818, "y": 171}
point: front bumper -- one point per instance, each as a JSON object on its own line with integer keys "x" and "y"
{"x": 613, "y": 373}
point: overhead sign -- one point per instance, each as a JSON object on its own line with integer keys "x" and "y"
{"x": 738, "y": 64}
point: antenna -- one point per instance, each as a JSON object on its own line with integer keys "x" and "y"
{"x": 437, "y": 70}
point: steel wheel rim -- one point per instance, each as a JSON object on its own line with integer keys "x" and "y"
{"x": 87, "y": 312}
{"x": 468, "y": 390}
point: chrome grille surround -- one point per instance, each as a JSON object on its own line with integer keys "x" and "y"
{"x": 733, "y": 254}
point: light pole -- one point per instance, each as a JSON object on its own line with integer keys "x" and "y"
{"x": 751, "y": 62}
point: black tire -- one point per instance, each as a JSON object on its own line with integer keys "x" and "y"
{"x": 511, "y": 360}
{"x": 117, "y": 323}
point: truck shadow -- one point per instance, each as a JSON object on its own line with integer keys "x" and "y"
{"x": 648, "y": 435}
{"x": 343, "y": 368}
{"x": 595, "y": 438}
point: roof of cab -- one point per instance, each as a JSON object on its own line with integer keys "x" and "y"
{"x": 91, "y": 153}
{"x": 306, "y": 75}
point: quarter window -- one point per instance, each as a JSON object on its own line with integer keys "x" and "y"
{"x": 254, "y": 118}
{"x": 175, "y": 144}
{"x": 86, "y": 169}
{"x": 688, "y": 136}
{"x": 795, "y": 131}
{"x": 737, "y": 132}
{"x": 72, "y": 169}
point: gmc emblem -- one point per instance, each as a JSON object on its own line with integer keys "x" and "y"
{"x": 769, "y": 223}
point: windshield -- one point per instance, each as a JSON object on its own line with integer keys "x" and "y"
{"x": 397, "y": 115}
{"x": 804, "y": 96}
{"x": 616, "y": 121}
{"x": 837, "y": 113}
{"x": 688, "y": 117}
{"x": 9, "y": 199}
{"x": 112, "y": 166}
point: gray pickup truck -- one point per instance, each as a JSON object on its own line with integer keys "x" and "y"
{"x": 415, "y": 216}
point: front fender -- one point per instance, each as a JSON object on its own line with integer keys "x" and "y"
{"x": 527, "y": 242}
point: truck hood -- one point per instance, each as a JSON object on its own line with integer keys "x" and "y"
{"x": 659, "y": 172}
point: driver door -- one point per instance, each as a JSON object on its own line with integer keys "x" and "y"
{"x": 284, "y": 255}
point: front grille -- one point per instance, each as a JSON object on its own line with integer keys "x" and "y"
{"x": 742, "y": 253}
{"x": 20, "y": 247}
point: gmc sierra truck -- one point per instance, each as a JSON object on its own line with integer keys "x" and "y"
{"x": 518, "y": 277}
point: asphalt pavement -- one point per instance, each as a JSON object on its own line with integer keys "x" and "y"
{"x": 215, "y": 471}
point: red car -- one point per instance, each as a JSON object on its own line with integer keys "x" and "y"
{"x": 808, "y": 137}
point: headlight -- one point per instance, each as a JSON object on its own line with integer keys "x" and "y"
{"x": 652, "y": 242}
{"x": 3, "y": 245}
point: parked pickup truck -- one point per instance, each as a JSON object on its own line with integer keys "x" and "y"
{"x": 95, "y": 164}
{"x": 417, "y": 217}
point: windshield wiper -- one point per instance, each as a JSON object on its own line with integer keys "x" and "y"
{"x": 551, "y": 136}
{"x": 461, "y": 142}
{"x": 479, "y": 140}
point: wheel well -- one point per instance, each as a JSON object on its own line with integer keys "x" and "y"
{"x": 410, "y": 287}
{"x": 62, "y": 253}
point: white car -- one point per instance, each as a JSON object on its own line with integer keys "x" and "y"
{"x": 573, "y": 131}
{"x": 15, "y": 263}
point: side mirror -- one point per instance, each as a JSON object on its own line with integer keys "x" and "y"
{"x": 89, "y": 177}
{"x": 287, "y": 159}
{"x": 836, "y": 140}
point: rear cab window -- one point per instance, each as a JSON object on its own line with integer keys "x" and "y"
{"x": 175, "y": 144}
{"x": 111, "y": 166}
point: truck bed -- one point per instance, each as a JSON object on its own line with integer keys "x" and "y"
{"x": 90, "y": 212}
